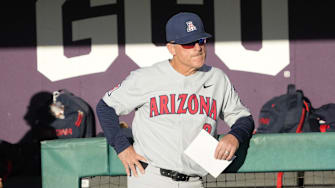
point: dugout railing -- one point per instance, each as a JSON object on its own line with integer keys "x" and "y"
{"x": 66, "y": 161}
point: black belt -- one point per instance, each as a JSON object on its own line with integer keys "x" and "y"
{"x": 174, "y": 175}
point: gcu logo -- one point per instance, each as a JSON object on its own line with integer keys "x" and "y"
{"x": 102, "y": 32}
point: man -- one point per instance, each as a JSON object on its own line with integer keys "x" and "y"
{"x": 174, "y": 100}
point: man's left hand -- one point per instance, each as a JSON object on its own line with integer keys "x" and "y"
{"x": 226, "y": 147}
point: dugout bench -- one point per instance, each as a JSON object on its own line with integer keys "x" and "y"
{"x": 66, "y": 161}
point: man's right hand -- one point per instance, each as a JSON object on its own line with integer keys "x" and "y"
{"x": 130, "y": 160}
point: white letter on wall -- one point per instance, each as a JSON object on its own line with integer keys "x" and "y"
{"x": 51, "y": 61}
{"x": 274, "y": 55}
{"x": 139, "y": 46}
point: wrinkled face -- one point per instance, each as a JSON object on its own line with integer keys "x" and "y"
{"x": 191, "y": 55}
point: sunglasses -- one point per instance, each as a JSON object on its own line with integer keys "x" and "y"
{"x": 190, "y": 45}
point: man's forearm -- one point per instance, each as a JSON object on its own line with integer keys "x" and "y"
{"x": 243, "y": 128}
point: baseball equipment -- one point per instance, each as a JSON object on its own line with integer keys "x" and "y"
{"x": 287, "y": 113}
{"x": 74, "y": 118}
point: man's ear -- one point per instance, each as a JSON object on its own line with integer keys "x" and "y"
{"x": 171, "y": 48}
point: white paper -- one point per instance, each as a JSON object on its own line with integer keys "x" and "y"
{"x": 202, "y": 150}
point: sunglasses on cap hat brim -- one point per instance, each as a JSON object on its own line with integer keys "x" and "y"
{"x": 190, "y": 45}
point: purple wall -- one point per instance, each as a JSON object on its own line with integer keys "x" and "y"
{"x": 311, "y": 35}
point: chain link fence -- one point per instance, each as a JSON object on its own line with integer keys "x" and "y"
{"x": 307, "y": 179}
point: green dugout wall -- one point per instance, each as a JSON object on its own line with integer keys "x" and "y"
{"x": 65, "y": 161}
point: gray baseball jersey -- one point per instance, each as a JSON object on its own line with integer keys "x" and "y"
{"x": 171, "y": 109}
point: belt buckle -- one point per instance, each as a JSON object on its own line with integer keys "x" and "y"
{"x": 176, "y": 176}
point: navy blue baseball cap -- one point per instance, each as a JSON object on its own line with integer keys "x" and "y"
{"x": 185, "y": 27}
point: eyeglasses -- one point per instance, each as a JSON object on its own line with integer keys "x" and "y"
{"x": 201, "y": 42}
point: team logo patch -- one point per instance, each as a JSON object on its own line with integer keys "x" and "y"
{"x": 190, "y": 26}
{"x": 112, "y": 90}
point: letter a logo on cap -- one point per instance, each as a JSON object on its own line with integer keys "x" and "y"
{"x": 190, "y": 26}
